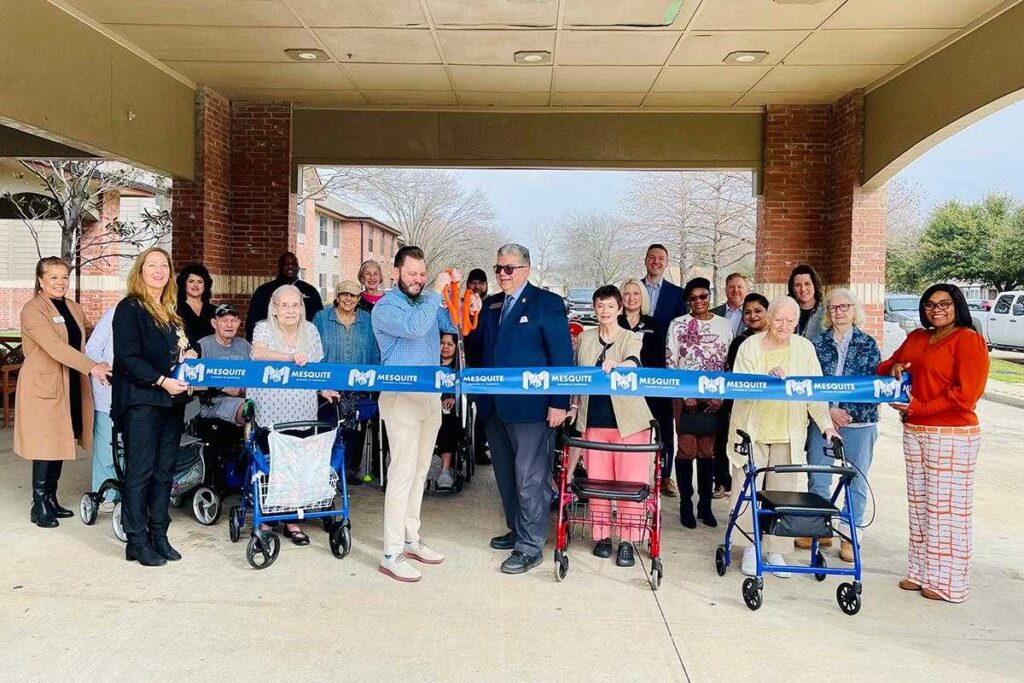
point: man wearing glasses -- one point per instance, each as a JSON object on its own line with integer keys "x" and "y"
{"x": 522, "y": 327}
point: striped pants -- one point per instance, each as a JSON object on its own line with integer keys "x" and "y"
{"x": 940, "y": 491}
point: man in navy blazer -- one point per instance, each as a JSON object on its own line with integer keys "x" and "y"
{"x": 667, "y": 304}
{"x": 522, "y": 327}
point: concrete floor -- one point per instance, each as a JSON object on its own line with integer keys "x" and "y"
{"x": 73, "y": 609}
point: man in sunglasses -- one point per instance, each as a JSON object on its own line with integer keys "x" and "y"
{"x": 522, "y": 327}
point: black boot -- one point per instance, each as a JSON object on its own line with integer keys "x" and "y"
{"x": 40, "y": 514}
{"x": 163, "y": 548}
{"x": 53, "y": 471}
{"x": 705, "y": 486}
{"x": 684, "y": 477}
{"x": 144, "y": 554}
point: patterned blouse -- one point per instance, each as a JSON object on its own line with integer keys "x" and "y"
{"x": 274, "y": 406}
{"x": 693, "y": 344}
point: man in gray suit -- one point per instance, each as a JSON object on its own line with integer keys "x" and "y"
{"x": 736, "y": 290}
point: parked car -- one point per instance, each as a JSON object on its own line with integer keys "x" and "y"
{"x": 579, "y": 305}
{"x": 1003, "y": 326}
{"x": 902, "y": 309}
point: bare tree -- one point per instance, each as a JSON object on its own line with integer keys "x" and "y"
{"x": 659, "y": 208}
{"x": 905, "y": 222}
{"x": 340, "y": 181}
{"x": 598, "y": 247}
{"x": 546, "y": 255}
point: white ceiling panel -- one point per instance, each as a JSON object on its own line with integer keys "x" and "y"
{"x": 502, "y": 78}
{"x": 493, "y": 12}
{"x": 865, "y": 46}
{"x": 399, "y": 76}
{"x": 513, "y": 99}
{"x": 616, "y": 47}
{"x": 496, "y": 48}
{"x": 909, "y": 13}
{"x": 629, "y": 13}
{"x": 188, "y": 12}
{"x": 710, "y": 48}
{"x": 785, "y": 78}
{"x": 604, "y": 78}
{"x": 709, "y": 78}
{"x": 217, "y": 43}
{"x": 399, "y": 97}
{"x": 293, "y": 75}
{"x": 359, "y": 13}
{"x": 312, "y": 98}
{"x": 692, "y": 99}
{"x": 760, "y": 99}
{"x": 761, "y": 15}
{"x": 393, "y": 45}
{"x": 596, "y": 99}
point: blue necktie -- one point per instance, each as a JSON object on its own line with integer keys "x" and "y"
{"x": 505, "y": 308}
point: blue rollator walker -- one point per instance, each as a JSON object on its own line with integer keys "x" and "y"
{"x": 794, "y": 514}
{"x": 264, "y": 544}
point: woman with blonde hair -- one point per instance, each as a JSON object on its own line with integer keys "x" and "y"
{"x": 148, "y": 403}
{"x": 53, "y": 404}
{"x": 370, "y": 277}
{"x": 777, "y": 429}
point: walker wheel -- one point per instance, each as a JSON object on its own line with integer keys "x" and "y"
{"x": 87, "y": 509}
{"x": 751, "y": 594}
{"x": 341, "y": 540}
{"x": 177, "y": 502}
{"x": 206, "y": 506}
{"x": 848, "y": 598}
{"x": 115, "y": 522}
{"x": 720, "y": 565}
{"x": 561, "y": 565}
{"x": 819, "y": 561}
{"x": 263, "y": 549}
{"x": 235, "y": 522}
{"x": 655, "y": 576}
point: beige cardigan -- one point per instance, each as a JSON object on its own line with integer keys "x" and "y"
{"x": 631, "y": 412}
{"x": 745, "y": 414}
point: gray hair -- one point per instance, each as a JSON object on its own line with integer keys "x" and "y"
{"x": 276, "y": 334}
{"x": 519, "y": 250}
{"x": 858, "y": 311}
{"x": 784, "y": 302}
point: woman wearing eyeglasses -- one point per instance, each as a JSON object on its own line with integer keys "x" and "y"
{"x": 699, "y": 341}
{"x": 948, "y": 365}
{"x": 844, "y": 349}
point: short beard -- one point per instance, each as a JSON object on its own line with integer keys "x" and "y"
{"x": 405, "y": 290}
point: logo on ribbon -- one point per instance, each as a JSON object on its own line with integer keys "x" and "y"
{"x": 193, "y": 373}
{"x": 279, "y": 376}
{"x": 799, "y": 387}
{"x": 444, "y": 380}
{"x": 361, "y": 379}
{"x": 623, "y": 381}
{"x": 536, "y": 380}
{"x": 887, "y": 388}
{"x": 711, "y": 385}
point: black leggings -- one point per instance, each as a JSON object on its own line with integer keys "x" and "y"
{"x": 152, "y": 439}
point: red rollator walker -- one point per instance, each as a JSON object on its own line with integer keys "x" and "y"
{"x": 576, "y": 512}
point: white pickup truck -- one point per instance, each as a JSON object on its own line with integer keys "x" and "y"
{"x": 1003, "y": 326}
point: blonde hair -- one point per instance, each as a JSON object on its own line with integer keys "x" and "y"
{"x": 645, "y": 300}
{"x": 858, "y": 311}
{"x": 365, "y": 266}
{"x": 44, "y": 265}
{"x": 164, "y": 312}
{"x": 276, "y": 333}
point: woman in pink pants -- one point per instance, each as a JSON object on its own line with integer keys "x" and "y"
{"x": 613, "y": 419}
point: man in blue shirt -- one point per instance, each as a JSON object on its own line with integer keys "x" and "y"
{"x": 408, "y": 323}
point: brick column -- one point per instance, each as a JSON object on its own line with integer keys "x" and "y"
{"x": 238, "y": 215}
{"x": 813, "y": 208}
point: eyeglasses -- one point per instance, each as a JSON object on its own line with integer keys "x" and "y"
{"x": 838, "y": 308}
{"x": 943, "y": 305}
{"x": 698, "y": 297}
{"x": 508, "y": 270}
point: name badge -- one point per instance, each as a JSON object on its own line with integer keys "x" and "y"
{"x": 495, "y": 305}
{"x": 58, "y": 319}
{"x": 524, "y": 319}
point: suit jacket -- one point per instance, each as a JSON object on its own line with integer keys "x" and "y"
{"x": 143, "y": 350}
{"x": 671, "y": 305}
{"x": 721, "y": 310}
{"x": 42, "y": 403}
{"x": 534, "y": 334}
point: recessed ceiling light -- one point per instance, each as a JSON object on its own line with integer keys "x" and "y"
{"x": 307, "y": 55}
{"x": 533, "y": 57}
{"x": 745, "y": 57}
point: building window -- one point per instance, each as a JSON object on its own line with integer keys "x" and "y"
{"x": 300, "y": 237}
{"x": 369, "y": 240}
{"x": 323, "y": 230}
{"x": 336, "y": 234}
{"x": 323, "y": 286}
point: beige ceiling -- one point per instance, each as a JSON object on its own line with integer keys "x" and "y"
{"x": 621, "y": 54}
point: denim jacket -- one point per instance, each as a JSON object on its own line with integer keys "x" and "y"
{"x": 862, "y": 358}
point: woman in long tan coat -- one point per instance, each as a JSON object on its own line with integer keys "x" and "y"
{"x": 53, "y": 402}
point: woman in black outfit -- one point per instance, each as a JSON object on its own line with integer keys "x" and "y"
{"x": 195, "y": 287}
{"x": 148, "y": 403}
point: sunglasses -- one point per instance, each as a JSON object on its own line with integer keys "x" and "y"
{"x": 508, "y": 270}
{"x": 699, "y": 297}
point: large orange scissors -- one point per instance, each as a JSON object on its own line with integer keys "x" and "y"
{"x": 464, "y": 319}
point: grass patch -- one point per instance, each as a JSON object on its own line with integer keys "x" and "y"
{"x": 1006, "y": 371}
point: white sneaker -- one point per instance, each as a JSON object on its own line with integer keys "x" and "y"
{"x": 749, "y": 564}
{"x": 776, "y": 558}
{"x": 418, "y": 550}
{"x": 398, "y": 568}
{"x": 446, "y": 480}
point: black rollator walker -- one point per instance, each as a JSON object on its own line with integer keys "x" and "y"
{"x": 794, "y": 514}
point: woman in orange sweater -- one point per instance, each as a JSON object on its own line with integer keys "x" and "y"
{"x": 948, "y": 365}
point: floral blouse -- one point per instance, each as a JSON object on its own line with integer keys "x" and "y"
{"x": 693, "y": 344}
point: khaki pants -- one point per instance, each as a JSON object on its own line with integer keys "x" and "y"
{"x": 412, "y": 421}
{"x": 767, "y": 455}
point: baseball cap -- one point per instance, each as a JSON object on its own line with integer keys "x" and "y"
{"x": 348, "y": 287}
{"x": 224, "y": 309}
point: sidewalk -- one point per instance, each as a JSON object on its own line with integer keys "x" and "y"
{"x": 73, "y": 609}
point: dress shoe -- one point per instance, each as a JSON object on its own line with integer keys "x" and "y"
{"x": 144, "y": 555}
{"x": 846, "y": 551}
{"x": 706, "y": 516}
{"x": 669, "y": 488}
{"x": 603, "y": 548}
{"x": 624, "y": 558}
{"x": 504, "y": 542}
{"x": 908, "y": 585}
{"x": 930, "y": 594}
{"x": 686, "y": 517}
{"x": 163, "y": 549}
{"x": 520, "y": 563}
{"x": 720, "y": 492}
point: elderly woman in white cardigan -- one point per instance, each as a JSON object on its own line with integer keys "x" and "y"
{"x": 777, "y": 429}
{"x": 615, "y": 420}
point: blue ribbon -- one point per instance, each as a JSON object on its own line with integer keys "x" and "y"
{"x": 572, "y": 380}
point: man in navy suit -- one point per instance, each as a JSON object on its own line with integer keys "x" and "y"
{"x": 667, "y": 304}
{"x": 522, "y": 327}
